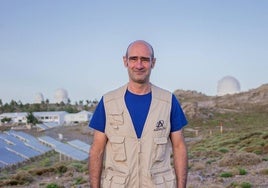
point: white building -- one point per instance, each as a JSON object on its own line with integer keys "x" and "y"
{"x": 83, "y": 116}
{"x": 46, "y": 117}
{"x": 51, "y": 117}
{"x": 16, "y": 117}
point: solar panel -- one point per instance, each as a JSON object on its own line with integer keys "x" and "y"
{"x": 42, "y": 126}
{"x": 2, "y": 144}
{"x": 30, "y": 141}
{"x": 80, "y": 145}
{"x": 23, "y": 150}
{"x": 49, "y": 141}
{"x": 9, "y": 158}
{"x": 9, "y": 139}
{"x": 51, "y": 124}
{"x": 65, "y": 149}
{"x": 21, "y": 135}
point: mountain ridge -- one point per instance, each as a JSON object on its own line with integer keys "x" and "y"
{"x": 199, "y": 105}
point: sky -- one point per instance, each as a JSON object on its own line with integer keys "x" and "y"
{"x": 78, "y": 45}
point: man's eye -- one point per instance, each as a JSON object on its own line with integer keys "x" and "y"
{"x": 145, "y": 59}
{"x": 133, "y": 58}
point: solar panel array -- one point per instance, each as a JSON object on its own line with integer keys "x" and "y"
{"x": 65, "y": 149}
{"x": 16, "y": 147}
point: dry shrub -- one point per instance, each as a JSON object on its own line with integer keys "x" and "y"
{"x": 265, "y": 136}
{"x": 253, "y": 149}
{"x": 42, "y": 171}
{"x": 241, "y": 158}
{"x": 61, "y": 168}
{"x": 265, "y": 149}
{"x": 208, "y": 154}
{"x": 21, "y": 178}
{"x": 213, "y": 154}
{"x": 198, "y": 166}
{"x": 263, "y": 171}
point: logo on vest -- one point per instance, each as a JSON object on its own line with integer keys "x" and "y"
{"x": 160, "y": 125}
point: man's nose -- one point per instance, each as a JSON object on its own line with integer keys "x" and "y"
{"x": 139, "y": 63}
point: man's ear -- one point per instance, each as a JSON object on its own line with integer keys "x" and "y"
{"x": 125, "y": 61}
{"x": 153, "y": 62}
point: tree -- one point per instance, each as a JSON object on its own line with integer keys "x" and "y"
{"x": 13, "y": 103}
{"x": 31, "y": 118}
{"x": 47, "y": 101}
{"x": 5, "y": 119}
{"x": 81, "y": 102}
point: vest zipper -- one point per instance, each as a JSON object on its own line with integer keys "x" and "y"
{"x": 139, "y": 146}
{"x": 138, "y": 169}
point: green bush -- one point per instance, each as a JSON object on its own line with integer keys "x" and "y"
{"x": 226, "y": 175}
{"x": 79, "y": 167}
{"x": 242, "y": 171}
{"x": 79, "y": 180}
{"x": 223, "y": 150}
{"x": 245, "y": 185}
{"x": 52, "y": 185}
{"x": 240, "y": 185}
{"x": 265, "y": 159}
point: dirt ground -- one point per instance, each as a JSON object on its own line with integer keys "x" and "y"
{"x": 203, "y": 172}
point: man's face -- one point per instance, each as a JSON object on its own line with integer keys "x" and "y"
{"x": 139, "y": 62}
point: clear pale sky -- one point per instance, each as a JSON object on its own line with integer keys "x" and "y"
{"x": 78, "y": 45}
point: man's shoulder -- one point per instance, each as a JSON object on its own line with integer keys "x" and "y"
{"x": 161, "y": 89}
{"x": 118, "y": 92}
{"x": 161, "y": 93}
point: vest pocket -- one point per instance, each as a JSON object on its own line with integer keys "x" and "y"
{"x": 116, "y": 119}
{"x": 161, "y": 145}
{"x": 166, "y": 179}
{"x": 115, "y": 180}
{"x": 118, "y": 148}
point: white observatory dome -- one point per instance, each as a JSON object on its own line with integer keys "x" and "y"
{"x": 228, "y": 85}
{"x": 61, "y": 95}
{"x": 38, "y": 98}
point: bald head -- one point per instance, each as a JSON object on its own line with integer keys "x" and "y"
{"x": 141, "y": 42}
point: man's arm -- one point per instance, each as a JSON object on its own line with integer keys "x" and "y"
{"x": 180, "y": 158}
{"x": 96, "y": 158}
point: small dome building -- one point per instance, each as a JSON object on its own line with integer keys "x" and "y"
{"x": 228, "y": 85}
{"x": 38, "y": 98}
{"x": 61, "y": 95}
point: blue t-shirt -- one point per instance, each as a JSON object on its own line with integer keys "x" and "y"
{"x": 138, "y": 107}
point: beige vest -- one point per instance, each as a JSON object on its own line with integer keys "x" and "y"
{"x": 138, "y": 163}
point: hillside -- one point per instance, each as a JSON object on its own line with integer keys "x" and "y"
{"x": 198, "y": 105}
{"x": 227, "y": 135}
{"x": 227, "y": 139}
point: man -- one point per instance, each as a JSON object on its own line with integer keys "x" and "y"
{"x": 136, "y": 128}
